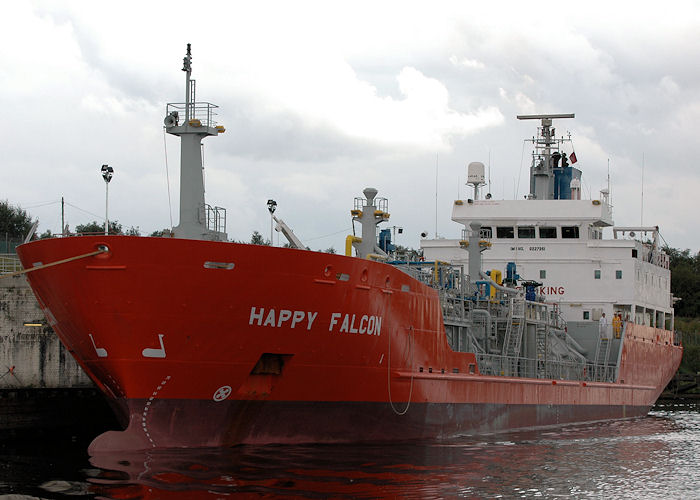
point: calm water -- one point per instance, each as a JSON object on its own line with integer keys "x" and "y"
{"x": 653, "y": 457}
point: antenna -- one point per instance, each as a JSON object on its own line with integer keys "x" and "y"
{"x": 609, "y": 179}
{"x": 544, "y": 183}
{"x": 436, "y": 194}
{"x": 475, "y": 176}
{"x": 641, "y": 218}
{"x": 488, "y": 190}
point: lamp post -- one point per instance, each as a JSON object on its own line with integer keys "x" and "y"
{"x": 107, "y": 173}
{"x": 271, "y": 206}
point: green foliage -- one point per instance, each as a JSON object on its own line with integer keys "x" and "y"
{"x": 46, "y": 234}
{"x": 405, "y": 253}
{"x": 257, "y": 239}
{"x": 96, "y": 228}
{"x": 330, "y": 250}
{"x": 14, "y": 222}
{"x": 689, "y": 329}
{"x": 685, "y": 284}
{"x": 685, "y": 281}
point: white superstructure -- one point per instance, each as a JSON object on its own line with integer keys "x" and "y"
{"x": 555, "y": 238}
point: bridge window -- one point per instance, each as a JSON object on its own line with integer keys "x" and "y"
{"x": 548, "y": 232}
{"x": 543, "y": 274}
{"x": 505, "y": 232}
{"x": 586, "y": 314}
{"x": 596, "y": 274}
{"x": 569, "y": 232}
{"x": 526, "y": 231}
{"x": 486, "y": 232}
{"x": 618, "y": 274}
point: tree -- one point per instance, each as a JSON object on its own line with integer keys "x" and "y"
{"x": 330, "y": 250}
{"x": 96, "y": 228}
{"x": 14, "y": 222}
{"x": 405, "y": 253}
{"x": 257, "y": 239}
{"x": 685, "y": 281}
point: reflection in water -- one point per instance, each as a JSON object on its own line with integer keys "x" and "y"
{"x": 651, "y": 457}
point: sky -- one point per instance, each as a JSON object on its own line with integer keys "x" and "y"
{"x": 323, "y": 99}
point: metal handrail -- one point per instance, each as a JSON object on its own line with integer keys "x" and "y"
{"x": 202, "y": 111}
{"x": 9, "y": 263}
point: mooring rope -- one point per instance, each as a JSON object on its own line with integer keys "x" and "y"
{"x": 58, "y": 262}
{"x": 388, "y": 375}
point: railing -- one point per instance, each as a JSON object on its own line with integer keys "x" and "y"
{"x": 215, "y": 218}
{"x": 9, "y": 263}
{"x": 502, "y": 366}
{"x": 202, "y": 111}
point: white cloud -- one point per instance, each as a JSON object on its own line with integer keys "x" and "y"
{"x": 669, "y": 86}
{"x": 522, "y": 102}
{"x": 325, "y": 98}
{"x": 467, "y": 63}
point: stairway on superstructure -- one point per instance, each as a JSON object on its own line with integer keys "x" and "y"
{"x": 601, "y": 357}
{"x": 514, "y": 335}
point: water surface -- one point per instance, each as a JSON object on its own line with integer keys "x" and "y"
{"x": 652, "y": 457}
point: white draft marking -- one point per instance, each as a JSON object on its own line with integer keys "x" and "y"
{"x": 151, "y": 352}
{"x": 147, "y": 406}
{"x": 101, "y": 351}
{"x": 222, "y": 393}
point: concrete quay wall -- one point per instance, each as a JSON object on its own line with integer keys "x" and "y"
{"x": 32, "y": 356}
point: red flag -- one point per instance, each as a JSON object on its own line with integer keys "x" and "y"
{"x": 572, "y": 157}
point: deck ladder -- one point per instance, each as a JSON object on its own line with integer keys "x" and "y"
{"x": 601, "y": 358}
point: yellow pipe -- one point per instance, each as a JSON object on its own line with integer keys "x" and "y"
{"x": 349, "y": 240}
{"x": 435, "y": 271}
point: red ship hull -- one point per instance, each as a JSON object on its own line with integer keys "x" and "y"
{"x": 215, "y": 344}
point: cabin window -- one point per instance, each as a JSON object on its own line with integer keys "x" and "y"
{"x": 634, "y": 253}
{"x": 586, "y": 314}
{"x": 569, "y": 232}
{"x": 618, "y": 274}
{"x": 505, "y": 232}
{"x": 596, "y": 274}
{"x": 526, "y": 231}
{"x": 543, "y": 274}
{"x": 486, "y": 232}
{"x": 548, "y": 232}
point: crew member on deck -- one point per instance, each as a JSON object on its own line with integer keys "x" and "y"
{"x": 603, "y": 327}
{"x": 617, "y": 325}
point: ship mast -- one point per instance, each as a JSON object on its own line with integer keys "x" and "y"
{"x": 198, "y": 220}
{"x": 545, "y": 161}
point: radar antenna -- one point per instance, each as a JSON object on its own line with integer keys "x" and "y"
{"x": 545, "y": 170}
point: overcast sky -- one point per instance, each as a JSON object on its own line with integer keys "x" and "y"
{"x": 321, "y": 100}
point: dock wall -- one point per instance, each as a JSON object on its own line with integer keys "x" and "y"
{"x": 32, "y": 357}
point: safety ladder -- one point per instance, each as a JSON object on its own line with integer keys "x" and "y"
{"x": 541, "y": 339}
{"x": 601, "y": 357}
{"x": 514, "y": 335}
